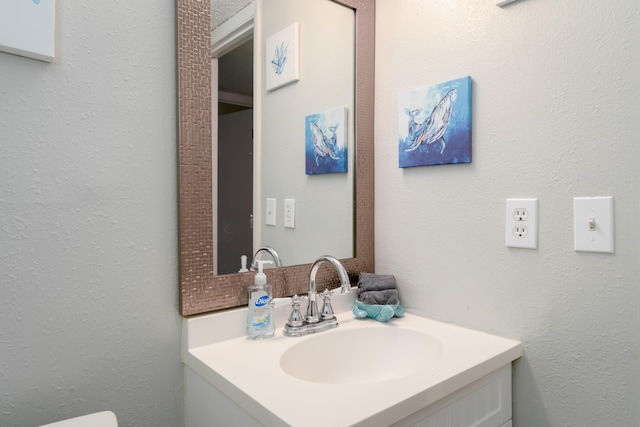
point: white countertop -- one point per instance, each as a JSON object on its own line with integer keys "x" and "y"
{"x": 249, "y": 371}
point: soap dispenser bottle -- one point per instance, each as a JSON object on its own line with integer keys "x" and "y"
{"x": 259, "y": 315}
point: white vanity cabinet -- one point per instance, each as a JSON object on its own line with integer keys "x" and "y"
{"x": 205, "y": 406}
{"x": 484, "y": 403}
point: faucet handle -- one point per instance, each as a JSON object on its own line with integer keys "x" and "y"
{"x": 296, "y": 317}
{"x": 327, "y": 310}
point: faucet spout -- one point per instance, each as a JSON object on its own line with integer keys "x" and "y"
{"x": 312, "y": 308}
{"x": 271, "y": 251}
{"x": 345, "y": 284}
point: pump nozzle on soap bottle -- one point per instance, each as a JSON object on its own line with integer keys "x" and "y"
{"x": 259, "y": 315}
{"x": 261, "y": 278}
{"x": 243, "y": 264}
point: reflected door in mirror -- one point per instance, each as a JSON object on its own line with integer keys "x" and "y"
{"x": 235, "y": 189}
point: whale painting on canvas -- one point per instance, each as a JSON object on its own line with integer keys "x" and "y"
{"x": 434, "y": 124}
{"x": 326, "y": 142}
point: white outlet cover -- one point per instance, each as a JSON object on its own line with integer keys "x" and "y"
{"x": 600, "y": 210}
{"x": 521, "y": 223}
{"x": 289, "y": 213}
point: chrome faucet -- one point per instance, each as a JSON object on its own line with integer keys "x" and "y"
{"x": 299, "y": 325}
{"x": 312, "y": 308}
{"x": 271, "y": 251}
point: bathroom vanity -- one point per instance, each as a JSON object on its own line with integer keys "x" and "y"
{"x": 410, "y": 371}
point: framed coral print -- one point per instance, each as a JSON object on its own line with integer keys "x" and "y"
{"x": 282, "y": 57}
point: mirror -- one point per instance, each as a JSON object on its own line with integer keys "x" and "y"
{"x": 319, "y": 186}
{"x": 200, "y": 289}
{"x": 324, "y": 95}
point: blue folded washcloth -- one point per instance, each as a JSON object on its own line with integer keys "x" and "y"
{"x": 378, "y": 312}
{"x": 377, "y": 297}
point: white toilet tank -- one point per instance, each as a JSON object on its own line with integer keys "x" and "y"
{"x": 99, "y": 419}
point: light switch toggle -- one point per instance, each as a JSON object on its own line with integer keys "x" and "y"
{"x": 592, "y": 224}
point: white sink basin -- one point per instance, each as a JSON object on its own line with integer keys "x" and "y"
{"x": 358, "y": 356}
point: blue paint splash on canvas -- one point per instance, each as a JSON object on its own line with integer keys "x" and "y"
{"x": 435, "y": 124}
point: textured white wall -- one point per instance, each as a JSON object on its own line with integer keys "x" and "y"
{"x": 555, "y": 115}
{"x": 88, "y": 258}
{"x": 223, "y": 10}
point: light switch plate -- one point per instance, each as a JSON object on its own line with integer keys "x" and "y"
{"x": 289, "y": 213}
{"x": 593, "y": 224}
{"x": 270, "y": 213}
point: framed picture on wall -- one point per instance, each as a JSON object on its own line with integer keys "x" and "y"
{"x": 326, "y": 148}
{"x": 434, "y": 124}
{"x": 282, "y": 57}
{"x": 28, "y": 27}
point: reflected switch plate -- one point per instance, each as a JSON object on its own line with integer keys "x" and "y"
{"x": 270, "y": 213}
{"x": 593, "y": 224}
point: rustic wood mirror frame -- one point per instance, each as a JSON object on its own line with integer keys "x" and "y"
{"x": 201, "y": 290}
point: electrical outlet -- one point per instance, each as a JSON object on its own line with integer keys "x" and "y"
{"x": 521, "y": 229}
{"x": 520, "y": 214}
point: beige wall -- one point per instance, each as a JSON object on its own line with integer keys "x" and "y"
{"x": 88, "y": 257}
{"x": 556, "y": 114}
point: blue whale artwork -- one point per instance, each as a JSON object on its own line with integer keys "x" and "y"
{"x": 326, "y": 142}
{"x": 324, "y": 145}
{"x": 435, "y": 124}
